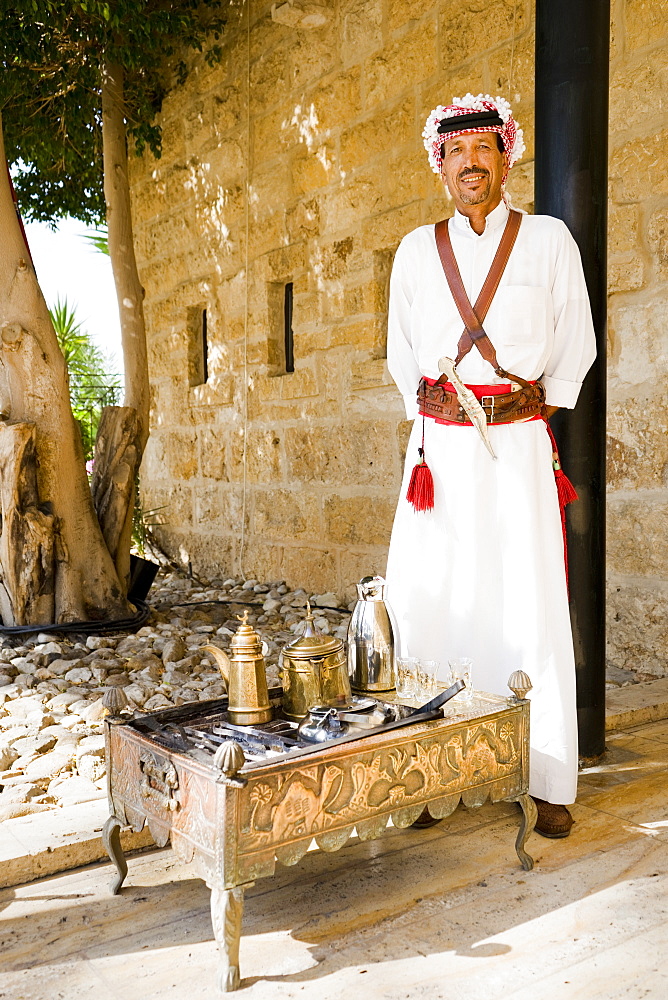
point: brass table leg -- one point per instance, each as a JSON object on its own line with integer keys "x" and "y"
{"x": 529, "y": 817}
{"x": 227, "y": 906}
{"x": 111, "y": 838}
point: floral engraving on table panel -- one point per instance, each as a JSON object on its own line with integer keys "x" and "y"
{"x": 280, "y": 808}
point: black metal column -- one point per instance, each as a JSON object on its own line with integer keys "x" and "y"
{"x": 571, "y": 182}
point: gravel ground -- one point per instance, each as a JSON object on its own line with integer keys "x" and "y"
{"x": 51, "y": 688}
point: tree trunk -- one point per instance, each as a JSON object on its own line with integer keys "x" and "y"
{"x": 85, "y": 583}
{"x": 27, "y": 540}
{"x": 116, "y": 515}
{"x": 114, "y": 473}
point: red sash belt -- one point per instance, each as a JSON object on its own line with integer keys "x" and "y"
{"x": 442, "y": 405}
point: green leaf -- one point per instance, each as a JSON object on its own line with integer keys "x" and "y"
{"x": 52, "y": 51}
{"x": 99, "y": 239}
{"x": 92, "y": 383}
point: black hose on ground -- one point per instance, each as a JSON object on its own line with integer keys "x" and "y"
{"x": 87, "y": 628}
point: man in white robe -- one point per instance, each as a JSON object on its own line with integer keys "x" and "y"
{"x": 482, "y": 574}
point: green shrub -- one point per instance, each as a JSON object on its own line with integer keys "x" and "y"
{"x": 92, "y": 383}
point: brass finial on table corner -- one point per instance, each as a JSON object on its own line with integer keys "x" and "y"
{"x": 229, "y": 758}
{"x": 114, "y": 701}
{"x": 520, "y": 684}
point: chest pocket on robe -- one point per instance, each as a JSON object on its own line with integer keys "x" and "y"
{"x": 521, "y": 315}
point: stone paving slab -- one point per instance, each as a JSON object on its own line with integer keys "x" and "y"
{"x": 58, "y": 840}
{"x": 439, "y": 914}
{"x": 636, "y": 704}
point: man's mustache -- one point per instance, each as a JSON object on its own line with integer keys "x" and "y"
{"x": 472, "y": 170}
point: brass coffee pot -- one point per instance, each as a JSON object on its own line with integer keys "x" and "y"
{"x": 245, "y": 675}
{"x": 313, "y": 671}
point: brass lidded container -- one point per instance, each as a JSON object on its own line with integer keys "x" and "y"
{"x": 313, "y": 671}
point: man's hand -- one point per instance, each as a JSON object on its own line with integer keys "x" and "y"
{"x": 550, "y": 411}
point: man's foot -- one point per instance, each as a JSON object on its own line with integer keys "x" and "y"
{"x": 553, "y": 821}
{"x": 424, "y": 820}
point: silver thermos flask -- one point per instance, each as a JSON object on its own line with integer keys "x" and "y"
{"x": 372, "y": 637}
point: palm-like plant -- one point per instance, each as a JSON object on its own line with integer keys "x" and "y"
{"x": 92, "y": 384}
{"x": 98, "y": 239}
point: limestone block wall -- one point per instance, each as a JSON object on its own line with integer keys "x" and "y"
{"x": 299, "y": 160}
{"x": 638, "y": 340}
{"x": 295, "y": 475}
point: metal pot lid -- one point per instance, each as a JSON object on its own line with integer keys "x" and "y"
{"x": 311, "y": 643}
{"x": 371, "y": 588}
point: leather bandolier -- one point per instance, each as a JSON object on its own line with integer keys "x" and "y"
{"x": 439, "y": 400}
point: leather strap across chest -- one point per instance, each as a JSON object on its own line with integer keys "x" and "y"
{"x": 473, "y": 316}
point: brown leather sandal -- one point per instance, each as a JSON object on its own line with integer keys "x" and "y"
{"x": 424, "y": 820}
{"x": 553, "y": 821}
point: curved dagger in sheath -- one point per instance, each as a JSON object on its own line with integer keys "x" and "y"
{"x": 468, "y": 401}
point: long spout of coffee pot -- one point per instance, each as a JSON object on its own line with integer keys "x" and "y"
{"x": 222, "y": 661}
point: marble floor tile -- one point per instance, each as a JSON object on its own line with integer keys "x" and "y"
{"x": 642, "y": 802}
{"x": 629, "y": 757}
{"x": 74, "y": 979}
{"x": 653, "y": 730}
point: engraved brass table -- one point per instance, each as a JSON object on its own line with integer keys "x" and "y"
{"x": 235, "y": 818}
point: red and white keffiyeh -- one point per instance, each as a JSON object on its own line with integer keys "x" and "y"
{"x": 499, "y": 119}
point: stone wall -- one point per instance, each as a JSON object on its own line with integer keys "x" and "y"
{"x": 295, "y": 475}
{"x": 638, "y": 339}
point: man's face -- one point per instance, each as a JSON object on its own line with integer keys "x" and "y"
{"x": 472, "y": 168}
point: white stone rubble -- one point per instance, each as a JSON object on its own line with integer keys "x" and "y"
{"x": 52, "y": 686}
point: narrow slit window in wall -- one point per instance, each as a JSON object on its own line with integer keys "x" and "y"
{"x": 205, "y": 349}
{"x": 198, "y": 346}
{"x": 287, "y": 329}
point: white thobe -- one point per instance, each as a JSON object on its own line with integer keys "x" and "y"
{"x": 482, "y": 574}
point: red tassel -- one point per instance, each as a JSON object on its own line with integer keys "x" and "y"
{"x": 566, "y": 493}
{"x": 565, "y": 489}
{"x": 421, "y": 487}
